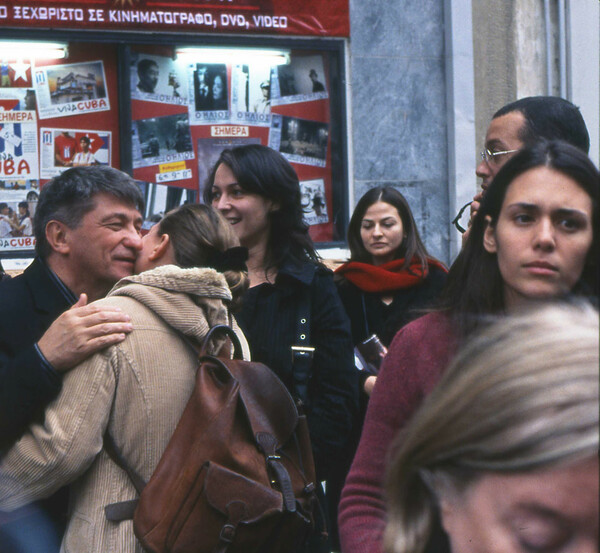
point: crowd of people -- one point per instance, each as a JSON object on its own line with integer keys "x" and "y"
{"x": 450, "y": 409}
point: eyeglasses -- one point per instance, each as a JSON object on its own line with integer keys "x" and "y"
{"x": 456, "y": 220}
{"x": 490, "y": 157}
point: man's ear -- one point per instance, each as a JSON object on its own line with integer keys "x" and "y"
{"x": 275, "y": 206}
{"x": 160, "y": 249}
{"x": 489, "y": 236}
{"x": 56, "y": 235}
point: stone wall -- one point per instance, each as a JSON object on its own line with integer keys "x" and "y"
{"x": 398, "y": 108}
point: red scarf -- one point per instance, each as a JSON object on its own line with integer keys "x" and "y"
{"x": 387, "y": 277}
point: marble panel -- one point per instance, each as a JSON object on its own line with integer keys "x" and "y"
{"x": 398, "y": 119}
{"x": 412, "y": 28}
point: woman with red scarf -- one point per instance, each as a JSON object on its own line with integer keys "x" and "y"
{"x": 389, "y": 281}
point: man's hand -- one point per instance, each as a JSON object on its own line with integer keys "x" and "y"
{"x": 82, "y": 331}
{"x": 474, "y": 207}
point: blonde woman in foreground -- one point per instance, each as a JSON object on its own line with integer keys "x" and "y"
{"x": 504, "y": 451}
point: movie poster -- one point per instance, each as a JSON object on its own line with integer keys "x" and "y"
{"x": 299, "y": 140}
{"x": 64, "y": 148}
{"x": 71, "y": 89}
{"x": 209, "y": 90}
{"x": 312, "y": 198}
{"x": 251, "y": 95}
{"x": 18, "y": 201}
{"x": 301, "y": 81}
{"x": 158, "y": 79}
{"x": 18, "y": 135}
{"x": 161, "y": 140}
{"x": 15, "y": 73}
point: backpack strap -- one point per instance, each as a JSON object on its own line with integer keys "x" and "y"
{"x": 268, "y": 444}
{"x": 302, "y": 351}
{"x": 225, "y": 330}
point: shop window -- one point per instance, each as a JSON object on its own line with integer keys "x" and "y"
{"x": 164, "y": 112}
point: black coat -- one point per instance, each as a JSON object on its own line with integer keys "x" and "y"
{"x": 369, "y": 315}
{"x": 269, "y": 319}
{"x": 29, "y": 304}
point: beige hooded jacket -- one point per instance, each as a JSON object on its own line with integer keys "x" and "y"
{"x": 135, "y": 391}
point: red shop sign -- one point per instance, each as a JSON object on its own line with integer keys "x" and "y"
{"x": 278, "y": 17}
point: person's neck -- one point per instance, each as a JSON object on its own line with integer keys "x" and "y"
{"x": 257, "y": 254}
{"x": 377, "y": 261}
{"x": 75, "y": 282}
{"x": 516, "y": 303}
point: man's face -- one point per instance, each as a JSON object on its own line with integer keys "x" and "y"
{"x": 103, "y": 248}
{"x": 149, "y": 78}
{"x": 503, "y": 134}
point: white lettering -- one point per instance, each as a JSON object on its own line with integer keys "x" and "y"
{"x": 270, "y": 21}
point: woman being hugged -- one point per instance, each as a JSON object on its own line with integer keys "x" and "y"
{"x": 135, "y": 392}
{"x": 390, "y": 278}
{"x": 291, "y": 314}
{"x": 532, "y": 240}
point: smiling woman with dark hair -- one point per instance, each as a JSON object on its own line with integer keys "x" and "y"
{"x": 291, "y": 315}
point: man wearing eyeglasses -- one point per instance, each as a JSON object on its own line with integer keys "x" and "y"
{"x": 521, "y": 124}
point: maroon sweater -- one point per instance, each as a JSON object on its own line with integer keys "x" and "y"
{"x": 417, "y": 357}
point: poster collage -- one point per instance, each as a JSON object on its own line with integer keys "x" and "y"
{"x": 184, "y": 115}
{"x": 28, "y": 96}
{"x": 208, "y": 107}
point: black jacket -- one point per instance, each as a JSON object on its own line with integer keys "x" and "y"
{"x": 369, "y": 315}
{"x": 29, "y": 304}
{"x": 269, "y": 319}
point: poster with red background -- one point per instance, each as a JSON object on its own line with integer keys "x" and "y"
{"x": 101, "y": 121}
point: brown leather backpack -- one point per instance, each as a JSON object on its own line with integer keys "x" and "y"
{"x": 237, "y": 475}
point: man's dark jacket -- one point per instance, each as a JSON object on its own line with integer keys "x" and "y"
{"x": 29, "y": 304}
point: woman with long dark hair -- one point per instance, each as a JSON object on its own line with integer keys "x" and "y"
{"x": 390, "y": 278}
{"x": 534, "y": 239}
{"x": 291, "y": 314}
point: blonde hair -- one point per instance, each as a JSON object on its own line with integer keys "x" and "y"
{"x": 197, "y": 231}
{"x": 523, "y": 395}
